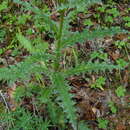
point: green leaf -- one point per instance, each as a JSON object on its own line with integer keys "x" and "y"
{"x": 3, "y": 5}
{"x": 74, "y": 37}
{"x": 109, "y": 19}
{"x": 102, "y": 123}
{"x": 40, "y": 14}
{"x": 112, "y": 107}
{"x": 120, "y": 44}
{"x": 113, "y": 11}
{"x": 82, "y": 126}
{"x": 25, "y": 42}
{"x": 45, "y": 94}
{"x": 127, "y": 24}
{"x": 77, "y": 4}
{"x": 99, "y": 83}
{"x": 88, "y": 22}
{"x": 120, "y": 91}
{"x": 89, "y": 67}
{"x": 99, "y": 54}
{"x": 23, "y": 18}
{"x": 2, "y": 34}
{"x": 127, "y": 19}
{"x": 121, "y": 63}
{"x": 56, "y": 114}
{"x": 19, "y": 93}
{"x": 39, "y": 48}
{"x": 65, "y": 97}
{"x": 101, "y": 9}
{"x": 23, "y": 70}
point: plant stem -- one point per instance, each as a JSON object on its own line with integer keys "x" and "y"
{"x": 58, "y": 44}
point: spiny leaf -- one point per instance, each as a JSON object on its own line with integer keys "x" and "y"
{"x": 64, "y": 95}
{"x": 73, "y": 38}
{"x": 77, "y": 4}
{"x": 89, "y": 67}
{"x": 56, "y": 114}
{"x": 41, "y": 47}
{"x": 47, "y": 20}
{"x": 23, "y": 70}
{"x": 3, "y": 5}
{"x": 82, "y": 126}
{"x": 25, "y": 42}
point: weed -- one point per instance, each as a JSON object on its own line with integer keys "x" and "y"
{"x": 3, "y": 5}
{"x": 101, "y": 55}
{"x": 102, "y": 123}
{"x": 23, "y": 18}
{"x": 112, "y": 107}
{"x": 99, "y": 83}
{"x": 120, "y": 91}
{"x": 40, "y": 64}
{"x": 114, "y": 12}
{"x": 127, "y": 21}
{"x": 120, "y": 44}
{"x": 126, "y": 18}
{"x": 101, "y": 9}
{"x": 2, "y": 34}
{"x": 88, "y": 22}
{"x": 127, "y": 24}
{"x": 121, "y": 63}
{"x": 109, "y": 19}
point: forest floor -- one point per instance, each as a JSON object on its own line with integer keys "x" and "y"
{"x": 108, "y": 102}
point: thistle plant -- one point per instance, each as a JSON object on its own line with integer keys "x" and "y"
{"x": 38, "y": 62}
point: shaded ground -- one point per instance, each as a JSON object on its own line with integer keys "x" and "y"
{"x": 91, "y": 103}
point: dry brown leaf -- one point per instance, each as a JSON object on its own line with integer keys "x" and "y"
{"x": 12, "y": 102}
{"x": 86, "y": 111}
{"x": 120, "y": 127}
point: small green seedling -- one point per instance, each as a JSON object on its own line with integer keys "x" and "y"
{"x": 3, "y": 5}
{"x": 120, "y": 91}
{"x": 109, "y": 19}
{"x": 1, "y": 51}
{"x": 120, "y": 44}
{"x": 101, "y": 55}
{"x": 101, "y": 9}
{"x": 88, "y": 22}
{"x": 41, "y": 64}
{"x": 127, "y": 19}
{"x": 96, "y": 15}
{"x": 123, "y": 45}
{"x": 121, "y": 63}
{"x": 30, "y": 31}
{"x": 102, "y": 123}
{"x": 114, "y": 12}
{"x": 99, "y": 83}
{"x": 112, "y": 107}
{"x": 10, "y": 18}
{"x": 127, "y": 24}
{"x": 22, "y": 19}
